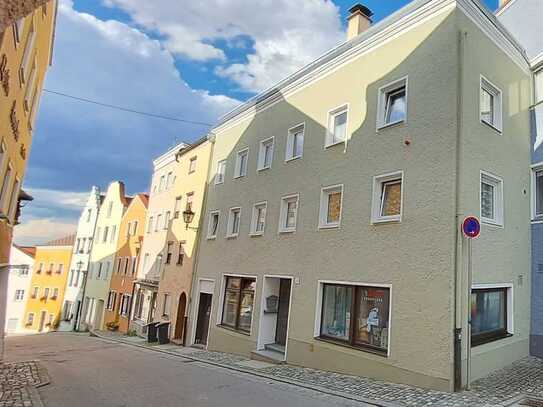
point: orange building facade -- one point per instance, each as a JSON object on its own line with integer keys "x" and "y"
{"x": 131, "y": 230}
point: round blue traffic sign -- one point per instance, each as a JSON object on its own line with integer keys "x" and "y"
{"x": 471, "y": 227}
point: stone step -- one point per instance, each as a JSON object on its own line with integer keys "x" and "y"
{"x": 275, "y": 347}
{"x": 269, "y": 356}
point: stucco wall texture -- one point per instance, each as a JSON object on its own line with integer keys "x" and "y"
{"x": 416, "y": 256}
{"x": 12, "y": 10}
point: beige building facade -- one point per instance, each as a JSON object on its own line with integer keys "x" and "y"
{"x": 331, "y": 236}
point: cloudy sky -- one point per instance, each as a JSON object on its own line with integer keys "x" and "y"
{"x": 193, "y": 60}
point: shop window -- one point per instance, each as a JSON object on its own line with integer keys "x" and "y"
{"x": 238, "y": 303}
{"x": 489, "y": 314}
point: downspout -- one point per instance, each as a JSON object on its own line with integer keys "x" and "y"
{"x": 458, "y": 237}
{"x": 199, "y": 235}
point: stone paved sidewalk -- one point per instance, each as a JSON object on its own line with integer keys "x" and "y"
{"x": 523, "y": 378}
{"x": 18, "y": 383}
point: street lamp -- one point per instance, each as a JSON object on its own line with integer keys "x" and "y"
{"x": 188, "y": 217}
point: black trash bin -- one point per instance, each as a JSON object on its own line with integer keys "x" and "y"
{"x": 152, "y": 332}
{"x": 163, "y": 332}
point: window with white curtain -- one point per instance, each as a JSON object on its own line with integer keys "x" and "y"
{"x": 265, "y": 155}
{"x": 491, "y": 199}
{"x": 337, "y": 126}
{"x": 490, "y": 105}
{"x": 241, "y": 163}
{"x": 295, "y": 142}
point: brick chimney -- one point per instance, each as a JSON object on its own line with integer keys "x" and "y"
{"x": 359, "y": 20}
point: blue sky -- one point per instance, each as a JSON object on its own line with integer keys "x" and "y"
{"x": 194, "y": 62}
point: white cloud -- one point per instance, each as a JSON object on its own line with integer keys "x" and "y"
{"x": 287, "y": 34}
{"x": 39, "y": 231}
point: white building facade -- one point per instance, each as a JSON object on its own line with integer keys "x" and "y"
{"x": 21, "y": 263}
{"x": 71, "y": 308}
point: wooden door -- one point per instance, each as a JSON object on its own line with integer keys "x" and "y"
{"x": 202, "y": 324}
{"x": 180, "y": 321}
{"x": 282, "y": 312}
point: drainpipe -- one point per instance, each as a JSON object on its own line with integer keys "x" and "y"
{"x": 211, "y": 137}
{"x": 458, "y": 266}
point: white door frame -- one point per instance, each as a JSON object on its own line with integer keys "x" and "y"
{"x": 262, "y": 306}
{"x": 195, "y": 310}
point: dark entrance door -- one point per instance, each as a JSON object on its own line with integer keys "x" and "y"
{"x": 282, "y": 312}
{"x": 202, "y": 325}
{"x": 180, "y": 321}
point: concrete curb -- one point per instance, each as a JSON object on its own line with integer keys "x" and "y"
{"x": 320, "y": 389}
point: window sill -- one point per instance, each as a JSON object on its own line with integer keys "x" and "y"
{"x": 286, "y": 231}
{"x": 232, "y": 236}
{"x": 219, "y": 183}
{"x": 240, "y": 176}
{"x": 384, "y": 126}
{"x": 256, "y": 234}
{"x": 329, "y": 226}
{"x": 263, "y": 168}
{"x": 483, "y": 341}
{"x": 491, "y": 126}
{"x": 393, "y": 219}
{"x": 227, "y": 328}
{"x": 298, "y": 157}
{"x": 211, "y": 237}
{"x": 330, "y": 145}
{"x": 491, "y": 222}
{"x": 381, "y": 353}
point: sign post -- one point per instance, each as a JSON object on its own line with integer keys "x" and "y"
{"x": 472, "y": 229}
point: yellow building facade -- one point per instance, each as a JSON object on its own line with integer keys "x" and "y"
{"x": 25, "y": 55}
{"x": 44, "y": 305}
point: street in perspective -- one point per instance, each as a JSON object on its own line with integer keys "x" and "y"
{"x": 296, "y": 203}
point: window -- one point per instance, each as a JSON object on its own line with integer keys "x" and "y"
{"x": 238, "y": 303}
{"x": 221, "y": 171}
{"x": 50, "y": 320}
{"x": 90, "y": 245}
{"x": 330, "y": 207}
{"x": 111, "y": 300}
{"x": 45, "y": 293}
{"x": 538, "y": 86}
{"x": 113, "y": 233}
{"x": 167, "y": 220}
{"x": 258, "y": 220}
{"x": 24, "y": 270}
{"x": 125, "y": 305}
{"x": 289, "y": 213}
{"x": 145, "y": 261}
{"x": 27, "y": 55}
{"x": 133, "y": 266}
{"x": 109, "y": 209}
{"x": 392, "y": 103}
{"x": 66, "y": 311}
{"x": 491, "y": 199}
{"x": 177, "y": 208}
{"x": 190, "y": 199}
{"x": 337, "y": 126}
{"x": 5, "y": 188}
{"x": 490, "y": 108}
{"x": 213, "y": 226}
{"x": 71, "y": 278}
{"x": 55, "y": 294}
{"x": 265, "y": 154}
{"x": 169, "y": 253}
{"x": 169, "y": 179}
{"x": 192, "y": 165}
{"x": 99, "y": 273}
{"x": 18, "y": 28}
{"x": 106, "y": 232}
{"x": 180, "y": 255}
{"x": 150, "y": 225}
{"x": 387, "y": 198}
{"x": 161, "y": 185}
{"x": 295, "y": 142}
{"x": 166, "y": 305}
{"x": 489, "y": 314}
{"x": 233, "y": 222}
{"x": 107, "y": 268}
{"x": 60, "y": 268}
{"x": 19, "y": 295}
{"x": 2, "y": 157}
{"x": 126, "y": 265}
{"x": 51, "y": 268}
{"x": 89, "y": 214}
{"x": 30, "y": 88}
{"x": 14, "y": 199}
{"x": 537, "y": 192}
{"x": 356, "y": 315}
{"x": 241, "y": 163}
{"x": 35, "y": 292}
{"x": 158, "y": 222}
{"x": 30, "y": 319}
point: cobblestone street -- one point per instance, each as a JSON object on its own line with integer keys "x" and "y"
{"x": 18, "y": 382}
{"x": 503, "y": 388}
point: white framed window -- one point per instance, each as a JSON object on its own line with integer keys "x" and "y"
{"x": 537, "y": 192}
{"x": 234, "y": 219}
{"x": 30, "y": 319}
{"x": 158, "y": 222}
{"x": 109, "y": 209}
{"x": 19, "y": 295}
{"x": 242, "y": 158}
{"x": 295, "y": 142}
{"x": 265, "y": 154}
{"x": 5, "y": 188}
{"x": 221, "y": 171}
{"x": 113, "y": 233}
{"x": 337, "y": 126}
{"x": 167, "y": 220}
{"x": 150, "y": 225}
{"x": 258, "y": 218}
{"x": 213, "y": 225}
{"x": 161, "y": 183}
{"x": 166, "y": 305}
{"x": 387, "y": 197}
{"x": 111, "y": 300}
{"x": 490, "y": 104}
{"x": 538, "y": 78}
{"x": 192, "y": 165}
{"x": 55, "y": 294}
{"x": 169, "y": 178}
{"x": 491, "y": 199}
{"x": 392, "y": 103}
{"x": 330, "y": 206}
{"x": 288, "y": 215}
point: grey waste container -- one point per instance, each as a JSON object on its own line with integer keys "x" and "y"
{"x": 152, "y": 332}
{"x": 163, "y": 332}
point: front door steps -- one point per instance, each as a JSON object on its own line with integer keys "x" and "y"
{"x": 272, "y": 353}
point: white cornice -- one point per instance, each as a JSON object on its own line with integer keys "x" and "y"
{"x": 167, "y": 157}
{"x": 393, "y": 26}
{"x": 537, "y": 62}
